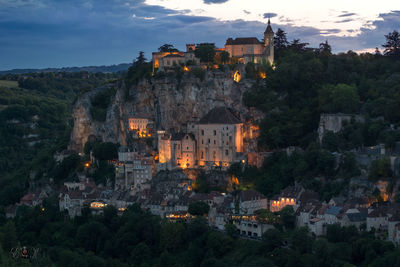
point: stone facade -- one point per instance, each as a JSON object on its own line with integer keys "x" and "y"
{"x": 215, "y": 141}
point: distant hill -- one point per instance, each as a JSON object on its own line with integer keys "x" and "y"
{"x": 93, "y": 69}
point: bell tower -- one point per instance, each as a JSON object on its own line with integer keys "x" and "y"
{"x": 269, "y": 42}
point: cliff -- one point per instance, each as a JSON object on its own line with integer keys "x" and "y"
{"x": 169, "y": 101}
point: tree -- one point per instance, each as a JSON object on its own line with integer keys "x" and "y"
{"x": 280, "y": 40}
{"x": 338, "y": 98}
{"x": 172, "y": 236}
{"x": 325, "y": 48}
{"x": 140, "y": 59}
{"x": 392, "y": 45}
{"x": 380, "y": 168}
{"x": 272, "y": 239}
{"x": 287, "y": 217}
{"x": 205, "y": 52}
{"x": 167, "y": 48}
{"x": 297, "y": 45}
{"x": 9, "y": 236}
{"x": 224, "y": 57}
{"x": 198, "y": 208}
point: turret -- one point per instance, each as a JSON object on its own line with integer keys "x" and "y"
{"x": 268, "y": 35}
{"x": 269, "y": 42}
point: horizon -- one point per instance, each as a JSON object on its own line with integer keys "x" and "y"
{"x": 39, "y": 34}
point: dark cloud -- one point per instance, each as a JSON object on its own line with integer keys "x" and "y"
{"x": 347, "y": 15}
{"x": 209, "y": 2}
{"x": 344, "y": 21}
{"x": 247, "y": 12}
{"x": 269, "y": 15}
{"x": 191, "y": 19}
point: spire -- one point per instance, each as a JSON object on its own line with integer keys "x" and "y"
{"x": 269, "y": 30}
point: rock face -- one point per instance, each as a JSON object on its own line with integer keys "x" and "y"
{"x": 334, "y": 122}
{"x": 170, "y": 102}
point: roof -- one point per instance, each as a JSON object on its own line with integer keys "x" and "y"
{"x": 356, "y": 217}
{"x": 180, "y": 136}
{"x": 269, "y": 28}
{"x": 173, "y": 55}
{"x": 248, "y": 195}
{"x": 220, "y": 115}
{"x": 333, "y": 210}
{"x": 242, "y": 41}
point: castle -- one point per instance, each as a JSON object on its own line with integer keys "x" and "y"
{"x": 214, "y": 141}
{"x": 241, "y": 50}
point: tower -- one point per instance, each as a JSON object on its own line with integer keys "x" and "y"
{"x": 269, "y": 43}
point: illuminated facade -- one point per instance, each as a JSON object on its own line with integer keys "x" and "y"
{"x": 139, "y": 125}
{"x": 214, "y": 141}
{"x": 165, "y": 60}
{"x": 219, "y": 138}
{"x": 250, "y": 49}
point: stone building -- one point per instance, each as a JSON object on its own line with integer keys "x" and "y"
{"x": 140, "y": 125}
{"x": 183, "y": 148}
{"x": 219, "y": 138}
{"x": 215, "y": 141}
{"x": 250, "y": 49}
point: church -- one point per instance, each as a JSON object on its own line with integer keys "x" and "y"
{"x": 250, "y": 49}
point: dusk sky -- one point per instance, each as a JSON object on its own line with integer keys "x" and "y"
{"x": 62, "y": 33}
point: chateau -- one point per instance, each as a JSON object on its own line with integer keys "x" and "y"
{"x": 241, "y": 50}
{"x": 215, "y": 141}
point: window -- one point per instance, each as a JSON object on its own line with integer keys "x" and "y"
{"x": 226, "y": 152}
{"x": 202, "y": 132}
{"x": 209, "y": 140}
{"x": 202, "y": 155}
{"x": 230, "y": 138}
{"x": 215, "y": 142}
{"x": 214, "y": 154}
{"x": 187, "y": 137}
{"x": 215, "y": 132}
{"x": 202, "y": 141}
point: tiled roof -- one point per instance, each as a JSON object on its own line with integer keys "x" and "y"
{"x": 220, "y": 115}
{"x": 333, "y": 210}
{"x": 249, "y": 195}
{"x": 356, "y": 217}
{"x": 242, "y": 41}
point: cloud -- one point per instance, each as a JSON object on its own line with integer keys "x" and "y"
{"x": 191, "y": 19}
{"x": 246, "y": 12}
{"x": 344, "y": 21}
{"x": 269, "y": 15}
{"x": 210, "y": 2}
{"x": 347, "y": 15}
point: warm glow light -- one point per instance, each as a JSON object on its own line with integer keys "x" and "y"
{"x": 185, "y": 68}
{"x": 263, "y": 75}
{"x": 97, "y": 205}
{"x": 237, "y": 77}
{"x": 87, "y": 164}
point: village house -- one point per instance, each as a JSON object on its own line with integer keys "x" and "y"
{"x": 133, "y": 170}
{"x": 290, "y": 196}
{"x": 249, "y": 226}
{"x": 378, "y": 219}
{"x": 249, "y": 201}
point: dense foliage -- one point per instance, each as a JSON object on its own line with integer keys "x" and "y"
{"x": 138, "y": 238}
{"x": 35, "y": 122}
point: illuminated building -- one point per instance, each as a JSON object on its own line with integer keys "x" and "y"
{"x": 219, "y": 138}
{"x": 250, "y": 49}
{"x": 140, "y": 126}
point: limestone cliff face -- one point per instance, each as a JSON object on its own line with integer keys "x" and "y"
{"x": 168, "y": 101}
{"x": 112, "y": 130}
